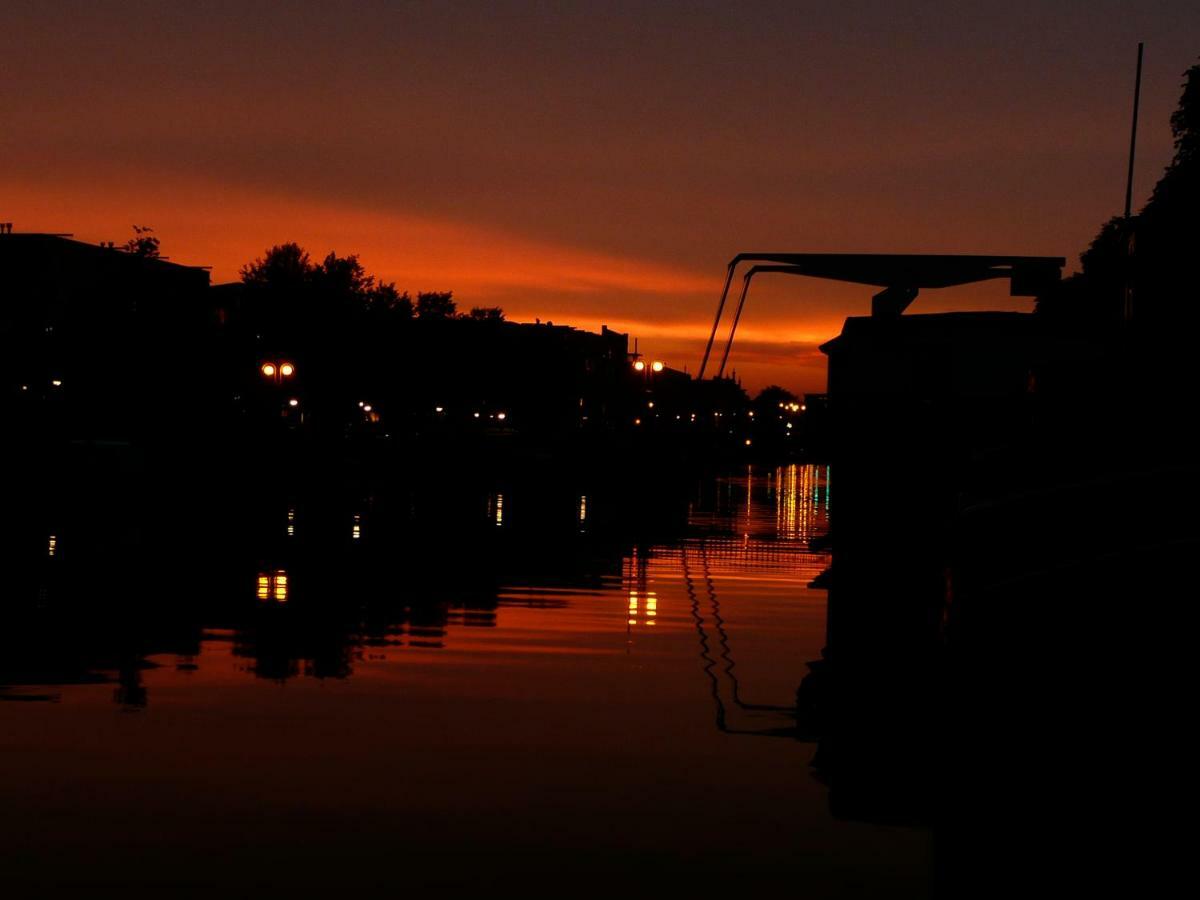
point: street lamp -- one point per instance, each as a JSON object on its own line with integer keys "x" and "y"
{"x": 657, "y": 365}
{"x": 277, "y": 371}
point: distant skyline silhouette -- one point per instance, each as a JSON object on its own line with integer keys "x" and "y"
{"x": 591, "y": 167}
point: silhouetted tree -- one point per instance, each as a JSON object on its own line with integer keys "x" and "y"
{"x": 143, "y": 243}
{"x": 486, "y": 314}
{"x": 1163, "y": 239}
{"x": 772, "y": 395}
{"x": 436, "y": 305}
{"x": 282, "y": 268}
{"x": 342, "y": 277}
{"x": 385, "y": 301}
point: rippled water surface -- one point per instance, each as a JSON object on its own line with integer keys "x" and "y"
{"x": 551, "y": 689}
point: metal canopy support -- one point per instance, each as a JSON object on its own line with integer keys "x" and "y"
{"x": 901, "y": 275}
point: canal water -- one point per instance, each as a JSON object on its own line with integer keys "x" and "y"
{"x": 463, "y": 685}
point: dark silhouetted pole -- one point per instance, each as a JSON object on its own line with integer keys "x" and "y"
{"x": 1129, "y": 235}
{"x": 1137, "y": 91}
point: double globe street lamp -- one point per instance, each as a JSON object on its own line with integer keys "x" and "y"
{"x": 277, "y": 371}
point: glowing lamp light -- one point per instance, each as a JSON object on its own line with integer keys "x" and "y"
{"x": 639, "y": 366}
{"x": 367, "y": 407}
{"x": 57, "y": 382}
{"x": 657, "y": 365}
{"x": 287, "y": 370}
{"x": 747, "y": 442}
{"x": 268, "y": 370}
{"x": 438, "y": 409}
{"x": 293, "y": 402}
{"x": 501, "y": 415}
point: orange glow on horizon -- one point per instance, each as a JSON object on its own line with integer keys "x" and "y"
{"x": 667, "y": 307}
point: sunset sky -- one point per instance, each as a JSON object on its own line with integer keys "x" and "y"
{"x": 591, "y": 163}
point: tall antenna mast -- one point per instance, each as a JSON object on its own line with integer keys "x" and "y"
{"x": 1137, "y": 92}
{"x": 1129, "y": 234}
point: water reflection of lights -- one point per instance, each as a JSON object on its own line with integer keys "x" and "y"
{"x": 356, "y": 528}
{"x": 291, "y": 522}
{"x": 495, "y": 509}
{"x": 643, "y": 602}
{"x": 273, "y": 586}
{"x": 583, "y": 511}
{"x": 52, "y": 546}
{"x": 801, "y": 496}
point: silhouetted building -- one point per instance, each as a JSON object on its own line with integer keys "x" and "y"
{"x": 969, "y": 373}
{"x": 98, "y": 343}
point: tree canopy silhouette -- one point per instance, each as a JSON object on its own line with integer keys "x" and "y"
{"x": 1154, "y": 251}
{"x": 486, "y": 314}
{"x": 292, "y": 285}
{"x": 143, "y": 243}
{"x": 436, "y": 305}
{"x": 773, "y": 395}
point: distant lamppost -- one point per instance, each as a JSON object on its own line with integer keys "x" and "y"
{"x": 640, "y": 365}
{"x": 277, "y": 371}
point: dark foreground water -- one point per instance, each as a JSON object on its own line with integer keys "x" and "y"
{"x": 468, "y": 684}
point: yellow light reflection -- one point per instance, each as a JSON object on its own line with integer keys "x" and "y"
{"x": 268, "y": 370}
{"x": 273, "y": 586}
{"x": 52, "y": 546}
